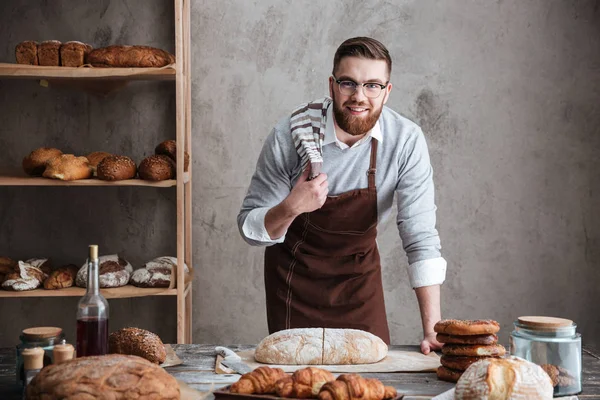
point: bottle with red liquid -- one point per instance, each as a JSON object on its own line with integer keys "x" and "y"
{"x": 92, "y": 313}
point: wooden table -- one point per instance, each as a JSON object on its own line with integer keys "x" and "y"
{"x": 197, "y": 371}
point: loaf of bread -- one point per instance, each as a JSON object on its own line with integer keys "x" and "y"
{"x": 157, "y": 273}
{"x": 74, "y": 54}
{"x": 118, "y": 56}
{"x": 95, "y": 158}
{"x": 113, "y": 376}
{"x": 504, "y": 378}
{"x": 27, "y": 52}
{"x": 169, "y": 148}
{"x": 114, "y": 271}
{"x": 35, "y": 163}
{"x": 304, "y": 383}
{"x": 67, "y": 167}
{"x": 157, "y": 168}
{"x": 25, "y": 277}
{"x": 61, "y": 278}
{"x": 116, "y": 168}
{"x": 137, "y": 342}
{"x": 42, "y": 263}
{"x": 49, "y": 53}
{"x": 313, "y": 346}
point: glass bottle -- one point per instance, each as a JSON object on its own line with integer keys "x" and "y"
{"x": 92, "y": 313}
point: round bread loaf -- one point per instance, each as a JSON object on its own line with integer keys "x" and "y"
{"x": 157, "y": 168}
{"x": 61, "y": 278}
{"x": 470, "y": 339}
{"x": 137, "y": 342}
{"x": 116, "y": 168}
{"x": 114, "y": 272}
{"x": 459, "y": 363}
{"x": 25, "y": 277}
{"x": 447, "y": 374}
{"x": 467, "y": 327}
{"x": 35, "y": 163}
{"x": 157, "y": 273}
{"x": 112, "y": 376}
{"x": 169, "y": 148}
{"x": 67, "y": 167}
{"x": 476, "y": 350}
{"x": 504, "y": 378}
{"x": 95, "y": 158}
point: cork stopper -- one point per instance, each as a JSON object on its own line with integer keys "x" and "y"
{"x": 545, "y": 323}
{"x": 41, "y": 332}
{"x": 33, "y": 358}
{"x": 63, "y": 352}
{"x": 93, "y": 252}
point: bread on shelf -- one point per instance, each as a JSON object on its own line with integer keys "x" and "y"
{"x": 49, "y": 53}
{"x": 120, "y": 56}
{"x": 114, "y": 271}
{"x": 169, "y": 148}
{"x": 157, "y": 168}
{"x": 116, "y": 168}
{"x": 68, "y": 167}
{"x": 157, "y": 273}
{"x": 35, "y": 163}
{"x": 27, "y": 53}
{"x": 74, "y": 53}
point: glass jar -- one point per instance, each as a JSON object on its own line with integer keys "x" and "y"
{"x": 44, "y": 337}
{"x": 554, "y": 344}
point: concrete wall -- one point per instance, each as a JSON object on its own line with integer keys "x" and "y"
{"x": 507, "y": 93}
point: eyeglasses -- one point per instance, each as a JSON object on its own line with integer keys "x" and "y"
{"x": 370, "y": 89}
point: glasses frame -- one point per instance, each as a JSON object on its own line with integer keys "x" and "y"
{"x": 362, "y": 85}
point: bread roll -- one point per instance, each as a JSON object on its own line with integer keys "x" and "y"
{"x": 467, "y": 327}
{"x": 95, "y": 158}
{"x": 116, "y": 168}
{"x": 35, "y": 163}
{"x": 49, "y": 53}
{"x": 113, "y": 376}
{"x": 157, "y": 273}
{"x": 504, "y": 378}
{"x": 27, "y": 53}
{"x": 313, "y": 346}
{"x": 114, "y": 272}
{"x": 61, "y": 278}
{"x": 73, "y": 54}
{"x": 129, "y": 57}
{"x": 137, "y": 342}
{"x": 169, "y": 148}
{"x": 157, "y": 168}
{"x": 67, "y": 167}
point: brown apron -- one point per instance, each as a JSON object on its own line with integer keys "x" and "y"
{"x": 327, "y": 272}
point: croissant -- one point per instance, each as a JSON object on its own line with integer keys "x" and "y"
{"x": 304, "y": 383}
{"x": 261, "y": 380}
{"x": 355, "y": 387}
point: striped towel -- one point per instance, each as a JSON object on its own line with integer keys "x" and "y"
{"x": 308, "y": 124}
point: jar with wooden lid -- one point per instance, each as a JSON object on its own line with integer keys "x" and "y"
{"x": 45, "y": 337}
{"x": 555, "y": 345}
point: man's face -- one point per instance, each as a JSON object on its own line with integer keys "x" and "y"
{"x": 356, "y": 114}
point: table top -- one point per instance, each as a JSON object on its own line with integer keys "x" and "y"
{"x": 198, "y": 365}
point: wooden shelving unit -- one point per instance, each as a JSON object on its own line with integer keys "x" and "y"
{"x": 85, "y": 78}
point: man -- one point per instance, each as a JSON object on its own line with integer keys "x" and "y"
{"x": 325, "y": 178}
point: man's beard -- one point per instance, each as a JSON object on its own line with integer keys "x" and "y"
{"x": 355, "y": 125}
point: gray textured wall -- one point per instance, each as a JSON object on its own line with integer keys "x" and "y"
{"x": 507, "y": 93}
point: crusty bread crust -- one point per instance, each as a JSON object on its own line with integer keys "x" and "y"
{"x": 476, "y": 350}
{"x": 467, "y": 339}
{"x": 467, "y": 327}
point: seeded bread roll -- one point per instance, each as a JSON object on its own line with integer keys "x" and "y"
{"x": 113, "y": 376}
{"x": 476, "y": 350}
{"x": 95, "y": 158}
{"x": 129, "y": 57}
{"x": 73, "y": 54}
{"x": 49, "y": 53}
{"x": 116, "y": 168}
{"x": 137, "y": 342}
{"x": 27, "y": 53}
{"x": 35, "y": 163}
{"x": 157, "y": 168}
{"x": 67, "y": 167}
{"x": 169, "y": 148}
{"x": 467, "y": 327}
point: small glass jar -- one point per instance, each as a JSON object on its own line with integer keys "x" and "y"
{"x": 44, "y": 337}
{"x": 554, "y": 344}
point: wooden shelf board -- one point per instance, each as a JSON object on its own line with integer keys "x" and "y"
{"x": 112, "y": 293}
{"x": 39, "y": 181}
{"x": 20, "y": 71}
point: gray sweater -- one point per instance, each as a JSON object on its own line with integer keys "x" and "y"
{"x": 403, "y": 168}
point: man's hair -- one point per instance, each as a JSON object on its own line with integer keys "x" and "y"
{"x": 362, "y": 47}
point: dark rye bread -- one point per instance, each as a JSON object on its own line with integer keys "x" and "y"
{"x": 27, "y": 53}
{"x": 137, "y": 342}
{"x": 74, "y": 54}
{"x": 112, "y": 376}
{"x": 467, "y": 327}
{"x": 49, "y": 53}
{"x": 467, "y": 339}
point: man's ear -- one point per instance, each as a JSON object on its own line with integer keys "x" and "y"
{"x": 388, "y": 89}
{"x": 331, "y": 83}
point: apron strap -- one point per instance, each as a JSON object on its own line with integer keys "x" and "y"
{"x": 373, "y": 165}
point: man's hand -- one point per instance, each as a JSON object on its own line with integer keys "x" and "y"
{"x": 430, "y": 343}
{"x": 307, "y": 196}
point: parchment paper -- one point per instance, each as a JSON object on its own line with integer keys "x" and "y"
{"x": 172, "y": 358}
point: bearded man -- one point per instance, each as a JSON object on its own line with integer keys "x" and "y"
{"x": 325, "y": 179}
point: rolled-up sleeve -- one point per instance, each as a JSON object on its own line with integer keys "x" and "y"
{"x": 417, "y": 214}
{"x": 271, "y": 183}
